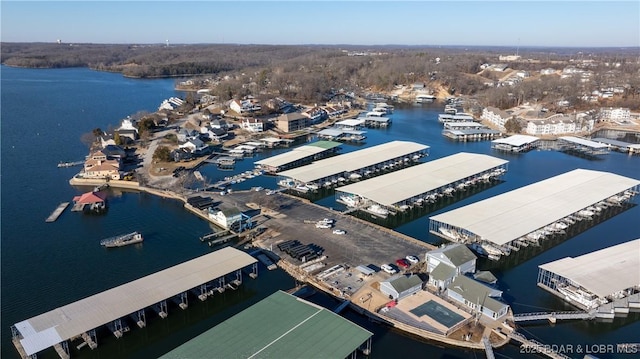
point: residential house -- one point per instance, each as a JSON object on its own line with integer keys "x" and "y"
{"x": 559, "y": 124}
{"x": 291, "y": 122}
{"x": 444, "y": 263}
{"x": 477, "y": 297}
{"x": 245, "y": 106}
{"x": 496, "y": 116}
{"x": 252, "y": 125}
{"x": 194, "y": 145}
{"x": 219, "y": 123}
{"x": 171, "y": 104}
{"x": 127, "y": 130}
{"x": 99, "y": 166}
{"x": 316, "y": 114}
{"x": 230, "y": 218}
{"x": 334, "y": 111}
{"x": 548, "y": 71}
{"x": 614, "y": 114}
{"x": 401, "y": 286}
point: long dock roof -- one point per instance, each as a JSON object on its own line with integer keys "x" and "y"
{"x": 517, "y": 140}
{"x": 511, "y": 215}
{"x": 71, "y": 320}
{"x": 298, "y": 153}
{"x": 602, "y": 272}
{"x": 398, "y": 186}
{"x": 353, "y": 161}
{"x": 583, "y": 142}
{"x": 279, "y": 326}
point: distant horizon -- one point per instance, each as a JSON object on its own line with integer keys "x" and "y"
{"x": 524, "y": 24}
{"x": 373, "y": 46}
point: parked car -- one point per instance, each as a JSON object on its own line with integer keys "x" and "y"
{"x": 339, "y": 231}
{"x": 402, "y": 263}
{"x": 387, "y": 268}
{"x": 412, "y": 259}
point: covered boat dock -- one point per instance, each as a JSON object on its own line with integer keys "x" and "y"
{"x": 515, "y": 143}
{"x": 457, "y": 117}
{"x": 480, "y": 134}
{"x": 80, "y": 319}
{"x": 298, "y": 156}
{"x": 594, "y": 279}
{"x": 534, "y": 212}
{"x": 423, "y": 183}
{"x": 363, "y": 163}
{"x": 582, "y": 145}
{"x": 342, "y": 134}
{"x": 620, "y": 146}
{"x": 279, "y": 326}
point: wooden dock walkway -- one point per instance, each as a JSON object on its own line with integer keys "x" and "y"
{"x": 57, "y": 212}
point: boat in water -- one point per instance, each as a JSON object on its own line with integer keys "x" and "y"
{"x": 122, "y": 240}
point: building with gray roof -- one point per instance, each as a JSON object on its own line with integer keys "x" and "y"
{"x": 279, "y": 326}
{"x": 477, "y": 297}
{"x": 401, "y": 286}
{"x": 444, "y": 263}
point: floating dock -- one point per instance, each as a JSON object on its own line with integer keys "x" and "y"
{"x": 298, "y": 156}
{"x": 481, "y": 134}
{"x": 583, "y": 146}
{"x": 515, "y": 143}
{"x": 204, "y": 274}
{"x": 70, "y": 164}
{"x": 57, "y": 212}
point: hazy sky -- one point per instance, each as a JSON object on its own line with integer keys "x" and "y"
{"x": 501, "y": 23}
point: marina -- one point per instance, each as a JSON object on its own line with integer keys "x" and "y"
{"x": 57, "y": 212}
{"x": 619, "y": 146}
{"x": 481, "y": 134}
{"x": 582, "y": 146}
{"x": 421, "y": 184}
{"x": 535, "y": 212}
{"x": 80, "y": 319}
{"x": 591, "y": 282}
{"x": 298, "y": 156}
{"x": 358, "y": 164}
{"x": 515, "y": 143}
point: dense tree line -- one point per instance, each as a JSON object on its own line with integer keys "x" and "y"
{"x": 311, "y": 73}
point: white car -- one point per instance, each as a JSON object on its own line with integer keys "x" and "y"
{"x": 412, "y": 259}
{"x": 339, "y": 231}
{"x": 387, "y": 268}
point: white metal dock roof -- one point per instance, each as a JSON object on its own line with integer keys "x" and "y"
{"x": 296, "y": 154}
{"x": 60, "y": 324}
{"x": 353, "y": 161}
{"x": 602, "y": 272}
{"x": 398, "y": 186}
{"x": 351, "y": 122}
{"x": 516, "y": 140}
{"x": 511, "y": 215}
{"x": 583, "y": 142}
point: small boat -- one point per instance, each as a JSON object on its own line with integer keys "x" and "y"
{"x": 377, "y": 209}
{"x": 122, "y": 240}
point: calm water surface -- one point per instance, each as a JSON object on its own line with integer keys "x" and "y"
{"x": 47, "y": 265}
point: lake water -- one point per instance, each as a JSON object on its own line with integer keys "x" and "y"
{"x": 47, "y": 265}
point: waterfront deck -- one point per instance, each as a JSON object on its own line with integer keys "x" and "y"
{"x": 57, "y": 212}
{"x": 109, "y": 307}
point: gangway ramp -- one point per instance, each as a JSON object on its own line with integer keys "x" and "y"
{"x": 552, "y": 316}
{"x": 488, "y": 349}
{"x": 72, "y": 320}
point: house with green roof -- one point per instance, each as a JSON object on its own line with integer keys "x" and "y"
{"x": 401, "y": 286}
{"x": 477, "y": 296}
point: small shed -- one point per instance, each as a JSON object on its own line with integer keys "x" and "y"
{"x": 366, "y": 271}
{"x": 401, "y": 286}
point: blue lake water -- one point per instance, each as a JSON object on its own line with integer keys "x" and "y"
{"x": 46, "y": 265}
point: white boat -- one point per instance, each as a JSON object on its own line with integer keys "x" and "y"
{"x": 493, "y": 257}
{"x": 354, "y": 176}
{"x": 313, "y": 186}
{"x": 449, "y": 191}
{"x": 302, "y": 188}
{"x": 577, "y": 295}
{"x": 491, "y": 249}
{"x": 586, "y": 213}
{"x": 560, "y": 225}
{"x": 349, "y": 201}
{"x": 423, "y": 98}
{"x": 377, "y": 209}
{"x": 122, "y": 240}
{"x": 450, "y": 234}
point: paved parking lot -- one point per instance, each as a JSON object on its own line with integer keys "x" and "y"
{"x": 362, "y": 244}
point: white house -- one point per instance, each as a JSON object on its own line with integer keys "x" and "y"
{"x": 615, "y": 114}
{"x": 444, "y": 263}
{"x": 401, "y": 286}
{"x": 171, "y": 104}
{"x": 127, "y": 129}
{"x": 495, "y": 115}
{"x": 559, "y": 124}
{"x": 229, "y": 218}
{"x": 245, "y": 106}
{"x": 194, "y": 145}
{"x": 252, "y": 125}
{"x": 477, "y": 297}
